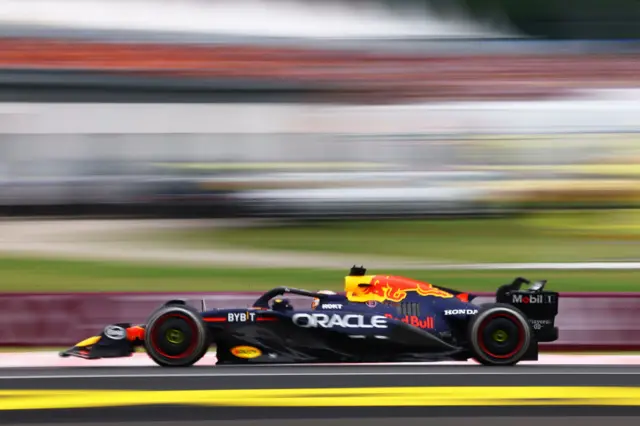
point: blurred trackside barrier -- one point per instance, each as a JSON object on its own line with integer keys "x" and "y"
{"x": 400, "y": 75}
{"x": 587, "y": 321}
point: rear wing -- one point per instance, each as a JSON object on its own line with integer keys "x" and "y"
{"x": 504, "y": 291}
{"x": 539, "y": 305}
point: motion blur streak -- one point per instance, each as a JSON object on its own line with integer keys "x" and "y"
{"x": 273, "y": 18}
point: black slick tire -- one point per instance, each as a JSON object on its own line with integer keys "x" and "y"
{"x": 176, "y": 336}
{"x": 499, "y": 335}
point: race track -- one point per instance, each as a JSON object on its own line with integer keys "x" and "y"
{"x": 291, "y": 395}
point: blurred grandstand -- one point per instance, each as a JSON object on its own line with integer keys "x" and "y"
{"x": 233, "y": 108}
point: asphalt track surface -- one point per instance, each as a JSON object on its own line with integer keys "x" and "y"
{"x": 338, "y": 377}
{"x": 385, "y": 421}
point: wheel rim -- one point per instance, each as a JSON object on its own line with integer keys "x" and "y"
{"x": 500, "y": 336}
{"x": 174, "y": 336}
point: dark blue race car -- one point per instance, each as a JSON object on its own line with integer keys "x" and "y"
{"x": 380, "y": 318}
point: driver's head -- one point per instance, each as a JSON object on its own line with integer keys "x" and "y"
{"x": 281, "y": 305}
{"x": 316, "y": 301}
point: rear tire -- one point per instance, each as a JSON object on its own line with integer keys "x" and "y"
{"x": 499, "y": 335}
{"x": 176, "y": 336}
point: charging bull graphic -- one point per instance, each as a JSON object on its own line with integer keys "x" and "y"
{"x": 389, "y": 288}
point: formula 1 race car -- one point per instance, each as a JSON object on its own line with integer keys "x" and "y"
{"x": 379, "y": 319}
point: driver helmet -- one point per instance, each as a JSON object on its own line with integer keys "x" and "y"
{"x": 316, "y": 301}
{"x": 281, "y": 305}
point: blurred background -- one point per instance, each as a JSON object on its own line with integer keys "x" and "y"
{"x": 217, "y": 108}
{"x": 467, "y": 131}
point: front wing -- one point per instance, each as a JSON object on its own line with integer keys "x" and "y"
{"x": 115, "y": 341}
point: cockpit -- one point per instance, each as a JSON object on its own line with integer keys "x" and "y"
{"x": 281, "y": 305}
{"x": 274, "y": 300}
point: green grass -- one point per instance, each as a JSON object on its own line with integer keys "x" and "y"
{"x": 555, "y": 237}
{"x": 36, "y": 275}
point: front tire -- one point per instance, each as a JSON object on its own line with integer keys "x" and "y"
{"x": 499, "y": 335}
{"x": 176, "y": 336}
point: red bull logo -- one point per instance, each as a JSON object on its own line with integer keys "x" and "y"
{"x": 394, "y": 289}
{"x": 427, "y": 322}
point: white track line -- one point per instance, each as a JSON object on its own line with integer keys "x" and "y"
{"x": 492, "y": 372}
{"x": 51, "y": 360}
